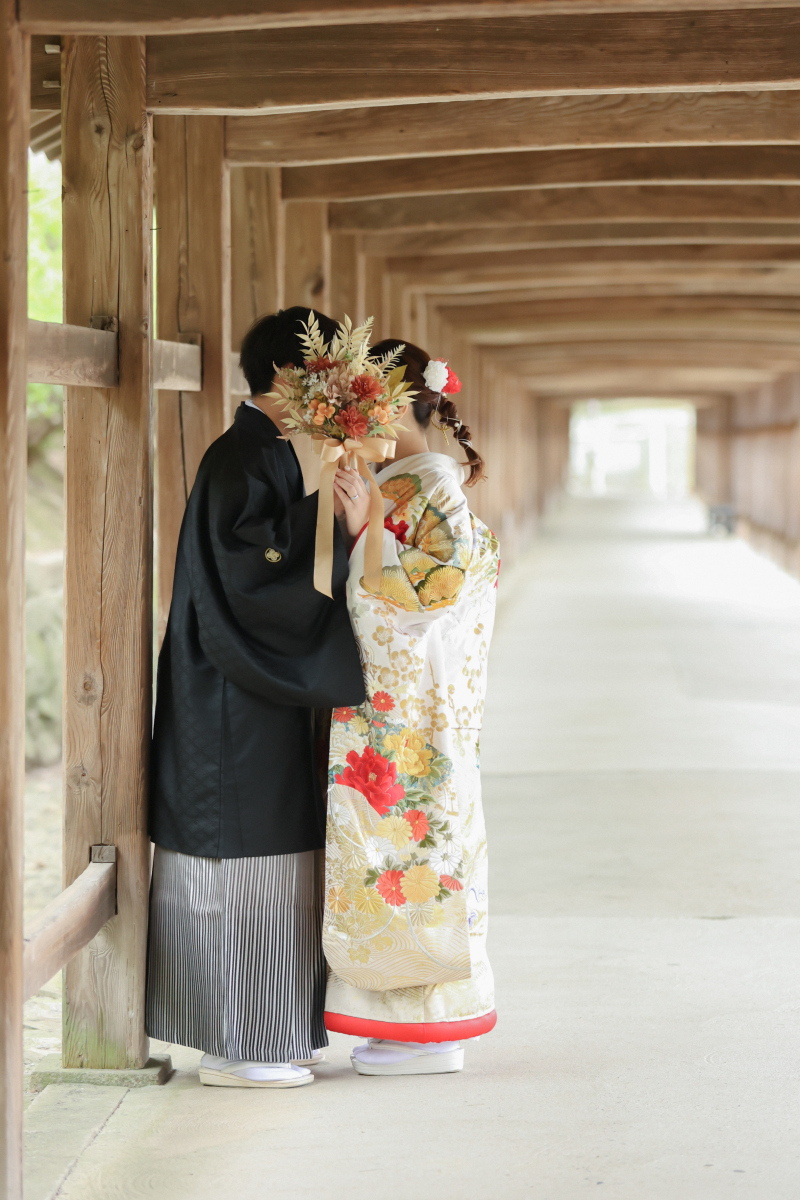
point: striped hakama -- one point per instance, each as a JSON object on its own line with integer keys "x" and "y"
{"x": 235, "y": 964}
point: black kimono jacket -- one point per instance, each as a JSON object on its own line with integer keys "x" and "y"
{"x": 250, "y": 650}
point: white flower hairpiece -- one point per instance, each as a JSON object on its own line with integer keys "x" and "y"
{"x": 436, "y": 375}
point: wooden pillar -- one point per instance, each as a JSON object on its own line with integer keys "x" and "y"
{"x": 107, "y": 189}
{"x": 306, "y": 281}
{"x": 14, "y": 117}
{"x": 344, "y": 276}
{"x": 370, "y": 293}
{"x": 257, "y": 244}
{"x": 193, "y": 303}
{"x": 307, "y": 263}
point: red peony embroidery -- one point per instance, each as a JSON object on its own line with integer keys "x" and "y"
{"x": 399, "y": 530}
{"x": 353, "y": 422}
{"x": 375, "y": 777}
{"x": 418, "y": 822}
{"x": 343, "y": 714}
{"x": 389, "y": 887}
{"x": 451, "y": 884}
{"x": 382, "y": 702}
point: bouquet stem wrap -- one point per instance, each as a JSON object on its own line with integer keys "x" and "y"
{"x": 357, "y": 453}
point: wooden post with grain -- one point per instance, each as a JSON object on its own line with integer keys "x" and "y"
{"x": 193, "y": 290}
{"x": 14, "y": 116}
{"x": 107, "y": 181}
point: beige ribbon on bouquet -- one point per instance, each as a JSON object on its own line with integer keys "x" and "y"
{"x": 331, "y": 450}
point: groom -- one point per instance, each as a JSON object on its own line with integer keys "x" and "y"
{"x": 237, "y": 813}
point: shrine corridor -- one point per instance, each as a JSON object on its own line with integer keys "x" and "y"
{"x": 641, "y": 766}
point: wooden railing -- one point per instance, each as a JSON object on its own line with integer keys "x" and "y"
{"x": 81, "y": 357}
{"x": 68, "y": 923}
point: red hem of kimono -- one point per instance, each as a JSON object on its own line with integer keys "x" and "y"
{"x": 356, "y": 539}
{"x": 397, "y": 1031}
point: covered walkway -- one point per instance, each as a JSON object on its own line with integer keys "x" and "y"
{"x": 642, "y": 769}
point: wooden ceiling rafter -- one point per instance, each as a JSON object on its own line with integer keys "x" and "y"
{"x": 183, "y": 16}
{"x": 536, "y": 169}
{"x": 271, "y": 70}
{"x": 526, "y": 123}
{"x": 639, "y": 202}
{"x": 501, "y": 239}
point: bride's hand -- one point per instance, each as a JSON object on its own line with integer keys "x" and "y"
{"x": 353, "y": 494}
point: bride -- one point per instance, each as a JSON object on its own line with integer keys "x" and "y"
{"x": 406, "y": 867}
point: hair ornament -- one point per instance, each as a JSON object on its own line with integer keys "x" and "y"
{"x": 439, "y": 378}
{"x": 435, "y": 375}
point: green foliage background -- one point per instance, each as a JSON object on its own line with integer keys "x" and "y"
{"x": 44, "y": 267}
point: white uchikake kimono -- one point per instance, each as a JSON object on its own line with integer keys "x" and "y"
{"x": 406, "y": 868}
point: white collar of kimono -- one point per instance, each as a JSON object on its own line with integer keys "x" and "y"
{"x": 418, "y": 462}
{"x": 250, "y": 404}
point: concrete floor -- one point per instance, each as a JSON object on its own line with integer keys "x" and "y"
{"x": 642, "y": 782}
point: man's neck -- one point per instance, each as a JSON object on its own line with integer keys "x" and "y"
{"x": 271, "y": 408}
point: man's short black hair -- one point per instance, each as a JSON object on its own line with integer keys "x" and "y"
{"x": 275, "y": 340}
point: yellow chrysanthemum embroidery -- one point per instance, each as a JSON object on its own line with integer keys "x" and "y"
{"x": 410, "y": 750}
{"x": 358, "y": 954}
{"x": 416, "y": 565}
{"x": 396, "y": 830}
{"x": 396, "y": 588}
{"x": 353, "y": 858}
{"x": 368, "y": 900}
{"x": 441, "y": 587}
{"x": 419, "y": 884}
{"x": 337, "y": 901}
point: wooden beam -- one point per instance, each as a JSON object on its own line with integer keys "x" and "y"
{"x": 501, "y": 238}
{"x": 193, "y": 302}
{"x": 526, "y": 123}
{"x": 257, "y": 247}
{"x": 443, "y": 267}
{"x": 45, "y": 87}
{"x": 571, "y": 356}
{"x": 269, "y": 70}
{"x": 46, "y": 133}
{"x": 179, "y": 16}
{"x": 177, "y": 366}
{"x": 71, "y": 354}
{"x": 471, "y": 173}
{"x": 649, "y": 380}
{"x": 14, "y": 116}
{"x": 108, "y": 594}
{"x": 68, "y": 923}
{"x": 541, "y": 320}
{"x": 700, "y": 202}
{"x": 625, "y": 278}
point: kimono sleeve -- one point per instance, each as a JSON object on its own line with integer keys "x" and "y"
{"x": 261, "y": 622}
{"x": 424, "y": 573}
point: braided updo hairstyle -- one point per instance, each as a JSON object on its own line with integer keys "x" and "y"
{"x": 428, "y": 403}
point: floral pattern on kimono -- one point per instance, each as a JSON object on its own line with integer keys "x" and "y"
{"x": 406, "y": 900}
